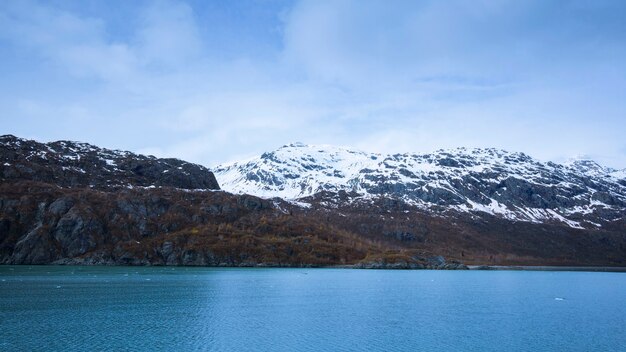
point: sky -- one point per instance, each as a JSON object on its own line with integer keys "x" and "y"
{"x": 216, "y": 81}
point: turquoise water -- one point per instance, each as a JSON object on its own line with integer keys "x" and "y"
{"x": 49, "y": 308}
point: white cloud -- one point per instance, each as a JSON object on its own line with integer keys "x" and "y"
{"x": 416, "y": 76}
{"x": 168, "y": 35}
{"x": 75, "y": 43}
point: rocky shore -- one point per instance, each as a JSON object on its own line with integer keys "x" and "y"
{"x": 549, "y": 268}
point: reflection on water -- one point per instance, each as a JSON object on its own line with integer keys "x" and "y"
{"x": 203, "y": 309}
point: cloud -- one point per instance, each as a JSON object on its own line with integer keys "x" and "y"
{"x": 77, "y": 44}
{"x": 529, "y": 76}
{"x": 349, "y": 43}
{"x": 352, "y": 42}
{"x": 168, "y": 35}
{"x": 544, "y": 78}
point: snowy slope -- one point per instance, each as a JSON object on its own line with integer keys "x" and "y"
{"x": 296, "y": 171}
{"x": 510, "y": 185}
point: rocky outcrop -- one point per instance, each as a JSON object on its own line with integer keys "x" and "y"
{"x": 394, "y": 261}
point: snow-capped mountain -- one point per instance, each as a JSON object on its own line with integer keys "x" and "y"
{"x": 506, "y": 184}
{"x": 75, "y": 203}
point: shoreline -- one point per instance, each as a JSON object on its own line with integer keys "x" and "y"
{"x": 617, "y": 269}
{"x": 359, "y": 267}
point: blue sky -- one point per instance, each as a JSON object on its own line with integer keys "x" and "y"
{"x": 213, "y": 81}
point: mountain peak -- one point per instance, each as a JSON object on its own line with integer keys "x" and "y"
{"x": 295, "y": 145}
{"x": 587, "y": 166}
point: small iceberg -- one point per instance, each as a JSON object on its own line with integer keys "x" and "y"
{"x": 559, "y": 299}
{"x": 58, "y": 286}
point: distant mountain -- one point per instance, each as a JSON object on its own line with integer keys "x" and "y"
{"x": 512, "y": 186}
{"x": 75, "y": 164}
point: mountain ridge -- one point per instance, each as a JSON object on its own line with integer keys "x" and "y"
{"x": 77, "y": 164}
{"x": 512, "y": 185}
{"x": 74, "y": 203}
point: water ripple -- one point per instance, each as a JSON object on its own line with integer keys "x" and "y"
{"x": 203, "y": 309}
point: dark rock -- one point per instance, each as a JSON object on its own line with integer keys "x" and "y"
{"x": 252, "y": 203}
{"x": 400, "y": 235}
{"x": 75, "y": 234}
{"x": 437, "y": 261}
{"x": 61, "y": 206}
